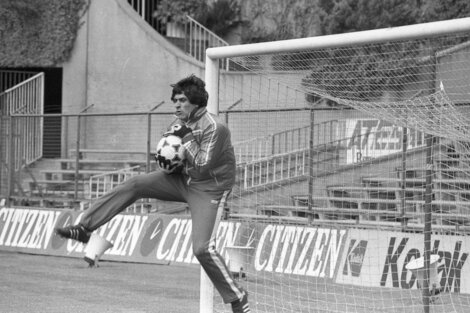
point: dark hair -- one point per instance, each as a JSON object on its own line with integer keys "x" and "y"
{"x": 193, "y": 88}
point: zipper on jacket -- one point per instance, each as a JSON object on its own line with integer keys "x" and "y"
{"x": 214, "y": 176}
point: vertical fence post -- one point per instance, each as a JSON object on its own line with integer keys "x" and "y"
{"x": 77, "y": 158}
{"x": 230, "y": 108}
{"x": 149, "y": 136}
{"x": 428, "y": 196}
{"x": 77, "y": 151}
{"x": 187, "y": 36}
{"x": 310, "y": 164}
{"x": 403, "y": 176}
{"x": 427, "y": 221}
{"x": 11, "y": 160}
{"x": 65, "y": 137}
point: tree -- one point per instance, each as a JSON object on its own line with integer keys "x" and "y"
{"x": 436, "y": 10}
{"x": 176, "y": 10}
{"x": 38, "y": 33}
{"x": 342, "y": 16}
{"x": 278, "y": 19}
{"x": 385, "y": 66}
{"x": 222, "y": 16}
{"x": 364, "y": 72}
{"x": 356, "y": 15}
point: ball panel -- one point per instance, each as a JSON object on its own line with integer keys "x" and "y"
{"x": 171, "y": 148}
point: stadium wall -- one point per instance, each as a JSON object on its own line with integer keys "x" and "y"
{"x": 373, "y": 258}
{"x": 120, "y": 63}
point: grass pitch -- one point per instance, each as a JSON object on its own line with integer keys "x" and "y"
{"x": 37, "y": 283}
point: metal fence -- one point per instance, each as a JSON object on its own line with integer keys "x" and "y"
{"x": 285, "y": 141}
{"x": 24, "y": 136}
{"x": 10, "y": 78}
{"x": 199, "y": 38}
{"x": 98, "y": 151}
{"x": 191, "y": 36}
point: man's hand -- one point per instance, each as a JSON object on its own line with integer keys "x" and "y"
{"x": 179, "y": 131}
{"x": 166, "y": 165}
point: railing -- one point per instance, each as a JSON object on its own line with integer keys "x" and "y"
{"x": 295, "y": 164}
{"x": 272, "y": 159}
{"x": 287, "y": 155}
{"x": 24, "y": 98}
{"x": 279, "y": 162}
{"x": 23, "y": 135}
{"x": 274, "y": 169}
{"x": 284, "y": 142}
{"x": 196, "y": 37}
{"x": 199, "y": 39}
{"x": 261, "y": 161}
{"x": 98, "y": 185}
{"x": 9, "y": 78}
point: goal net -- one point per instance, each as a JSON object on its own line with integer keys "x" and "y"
{"x": 353, "y": 170}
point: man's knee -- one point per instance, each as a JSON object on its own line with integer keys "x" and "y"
{"x": 202, "y": 252}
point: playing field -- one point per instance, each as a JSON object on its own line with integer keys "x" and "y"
{"x": 36, "y": 283}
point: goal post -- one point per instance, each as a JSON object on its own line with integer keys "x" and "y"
{"x": 424, "y": 30}
{"x": 206, "y": 302}
{"x": 364, "y": 205}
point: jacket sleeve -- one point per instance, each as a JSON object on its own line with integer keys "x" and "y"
{"x": 204, "y": 156}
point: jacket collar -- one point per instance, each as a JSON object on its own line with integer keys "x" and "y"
{"x": 196, "y": 114}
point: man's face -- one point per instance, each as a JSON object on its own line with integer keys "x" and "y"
{"x": 183, "y": 107}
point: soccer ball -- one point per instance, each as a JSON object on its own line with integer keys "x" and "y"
{"x": 171, "y": 148}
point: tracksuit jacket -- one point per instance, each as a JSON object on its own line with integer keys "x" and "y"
{"x": 210, "y": 158}
{"x": 204, "y": 184}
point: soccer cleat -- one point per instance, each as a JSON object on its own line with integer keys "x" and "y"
{"x": 75, "y": 232}
{"x": 241, "y": 305}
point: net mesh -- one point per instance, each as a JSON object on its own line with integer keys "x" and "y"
{"x": 335, "y": 176}
{"x": 399, "y": 82}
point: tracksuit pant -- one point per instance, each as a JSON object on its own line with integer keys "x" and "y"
{"x": 206, "y": 204}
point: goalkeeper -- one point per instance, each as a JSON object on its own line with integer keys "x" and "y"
{"x": 204, "y": 183}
